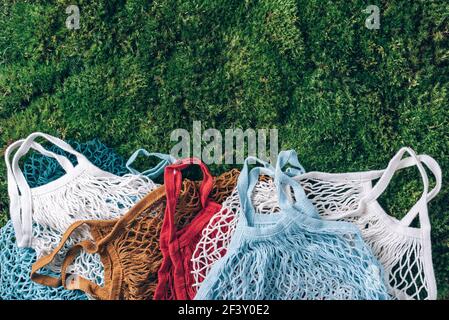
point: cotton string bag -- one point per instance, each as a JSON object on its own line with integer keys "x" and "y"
{"x": 129, "y": 247}
{"x": 15, "y": 268}
{"x": 404, "y": 251}
{"x": 216, "y": 236}
{"x": 177, "y": 245}
{"x": 15, "y": 262}
{"x": 40, "y": 215}
{"x": 293, "y": 254}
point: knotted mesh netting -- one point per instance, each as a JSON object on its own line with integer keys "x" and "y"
{"x": 136, "y": 247}
{"x": 133, "y": 250}
{"x": 15, "y": 269}
{"x": 217, "y": 235}
{"x": 15, "y": 263}
{"x": 87, "y": 194}
{"x": 302, "y": 262}
{"x": 292, "y": 254}
{"x": 401, "y": 255}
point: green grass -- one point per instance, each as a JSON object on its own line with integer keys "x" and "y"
{"x": 345, "y": 97}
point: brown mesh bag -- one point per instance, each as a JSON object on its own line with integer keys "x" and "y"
{"x": 129, "y": 247}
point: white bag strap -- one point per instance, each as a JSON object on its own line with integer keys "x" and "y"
{"x": 18, "y": 189}
{"x": 421, "y": 206}
{"x": 397, "y": 163}
{"x": 435, "y": 168}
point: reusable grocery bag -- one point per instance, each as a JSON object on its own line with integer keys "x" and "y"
{"x": 129, "y": 247}
{"x": 293, "y": 254}
{"x": 403, "y": 250}
{"x": 15, "y": 262}
{"x": 174, "y": 277}
{"x": 40, "y": 215}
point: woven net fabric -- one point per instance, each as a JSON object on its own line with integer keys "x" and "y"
{"x": 85, "y": 197}
{"x": 132, "y": 253}
{"x": 400, "y": 254}
{"x": 297, "y": 264}
{"x": 175, "y": 278}
{"x": 40, "y": 170}
{"x": 217, "y": 235}
{"x": 224, "y": 184}
{"x": 15, "y": 262}
{"x": 143, "y": 233}
{"x": 293, "y": 254}
{"x": 331, "y": 199}
{"x": 15, "y": 269}
{"x": 137, "y": 246}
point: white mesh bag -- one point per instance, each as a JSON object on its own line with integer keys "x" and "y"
{"x": 403, "y": 250}
{"x": 42, "y": 214}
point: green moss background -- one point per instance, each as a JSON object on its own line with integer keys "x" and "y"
{"x": 345, "y": 97}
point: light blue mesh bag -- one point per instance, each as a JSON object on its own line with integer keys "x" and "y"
{"x": 293, "y": 254}
{"x": 15, "y": 263}
{"x": 15, "y": 269}
{"x": 155, "y": 171}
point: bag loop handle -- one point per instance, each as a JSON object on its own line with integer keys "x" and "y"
{"x": 76, "y": 282}
{"x": 284, "y": 182}
{"x": 173, "y": 185}
{"x": 246, "y": 183}
{"x": 157, "y": 170}
{"x": 397, "y": 163}
{"x": 18, "y": 189}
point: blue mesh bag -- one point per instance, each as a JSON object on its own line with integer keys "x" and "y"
{"x": 292, "y": 255}
{"x": 15, "y": 269}
{"x": 15, "y": 263}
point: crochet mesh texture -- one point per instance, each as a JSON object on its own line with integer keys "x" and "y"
{"x": 15, "y": 262}
{"x": 85, "y": 197}
{"x": 136, "y": 246}
{"x": 216, "y": 236}
{"x": 300, "y": 263}
{"x": 15, "y": 268}
{"x": 400, "y": 255}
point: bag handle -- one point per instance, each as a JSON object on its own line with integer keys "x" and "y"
{"x": 173, "y": 185}
{"x": 435, "y": 168}
{"x": 283, "y": 182}
{"x": 168, "y": 234}
{"x": 76, "y": 282}
{"x": 290, "y": 158}
{"x": 157, "y": 170}
{"x": 19, "y": 190}
{"x": 420, "y": 206}
{"x": 246, "y": 183}
{"x": 71, "y": 282}
{"x": 56, "y": 141}
{"x": 397, "y": 163}
{"x": 393, "y": 166}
